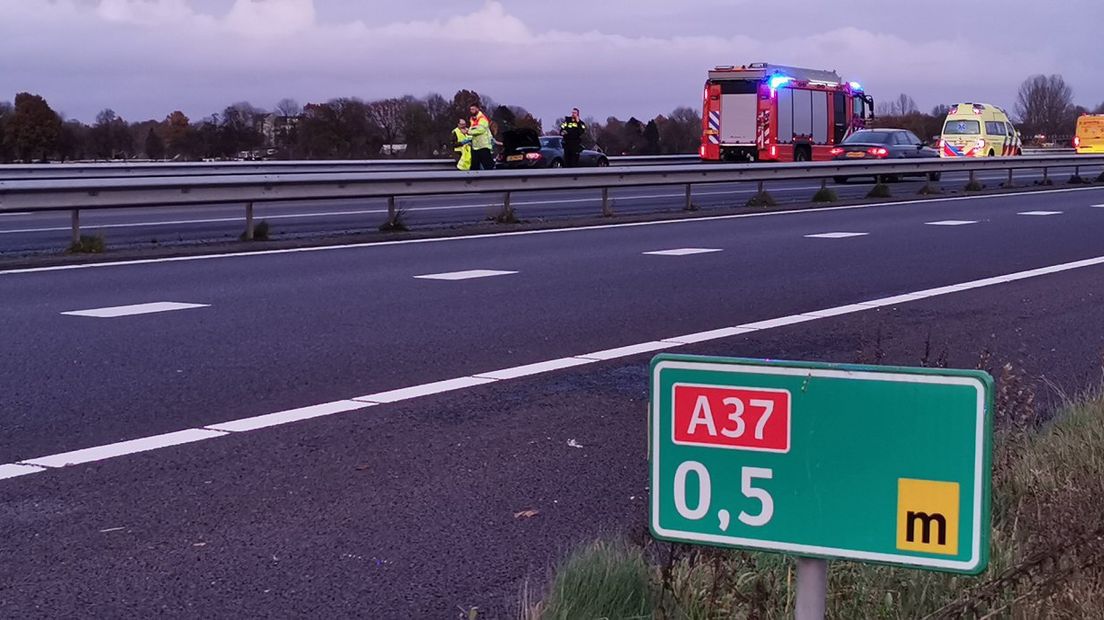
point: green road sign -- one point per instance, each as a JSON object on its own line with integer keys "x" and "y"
{"x": 877, "y": 464}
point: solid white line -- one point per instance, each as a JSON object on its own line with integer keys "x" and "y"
{"x": 1039, "y": 213}
{"x": 134, "y": 446}
{"x": 632, "y": 349}
{"x": 836, "y": 235}
{"x": 532, "y": 369}
{"x": 517, "y": 233}
{"x": 465, "y": 275}
{"x": 427, "y": 389}
{"x": 16, "y": 470}
{"x": 951, "y": 222}
{"x": 289, "y": 416}
{"x": 118, "y": 311}
{"x": 1098, "y": 206}
{"x": 713, "y": 334}
{"x": 683, "y": 252}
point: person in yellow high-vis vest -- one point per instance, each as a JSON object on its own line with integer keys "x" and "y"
{"x": 479, "y": 130}
{"x": 462, "y": 145}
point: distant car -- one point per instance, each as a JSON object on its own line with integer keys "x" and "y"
{"x": 884, "y": 144}
{"x": 523, "y": 148}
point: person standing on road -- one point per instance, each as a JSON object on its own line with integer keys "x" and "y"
{"x": 463, "y": 145}
{"x": 572, "y": 129}
{"x": 479, "y": 130}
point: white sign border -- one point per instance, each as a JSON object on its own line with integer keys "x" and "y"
{"x": 847, "y": 554}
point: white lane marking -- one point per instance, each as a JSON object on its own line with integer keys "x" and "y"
{"x": 16, "y": 470}
{"x": 951, "y": 222}
{"x": 465, "y": 275}
{"x": 134, "y": 446}
{"x": 683, "y": 252}
{"x": 534, "y": 369}
{"x": 417, "y": 391}
{"x": 836, "y": 235}
{"x": 289, "y": 416}
{"x": 632, "y": 349}
{"x": 118, "y": 311}
{"x": 713, "y": 334}
{"x": 1039, "y": 213}
{"x": 200, "y": 434}
{"x": 1098, "y": 206}
{"x": 518, "y": 233}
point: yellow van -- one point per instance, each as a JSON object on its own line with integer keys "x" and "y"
{"x": 1090, "y": 134}
{"x": 978, "y": 130}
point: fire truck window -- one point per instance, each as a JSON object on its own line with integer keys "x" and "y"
{"x": 803, "y": 113}
{"x": 839, "y": 117}
{"x": 739, "y": 87}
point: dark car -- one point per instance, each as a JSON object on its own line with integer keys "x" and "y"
{"x": 523, "y": 148}
{"x": 867, "y": 144}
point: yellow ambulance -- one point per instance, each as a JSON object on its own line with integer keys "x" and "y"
{"x": 1090, "y": 134}
{"x": 978, "y": 130}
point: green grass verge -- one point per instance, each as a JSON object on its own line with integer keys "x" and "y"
{"x": 88, "y": 244}
{"x": 1046, "y": 557}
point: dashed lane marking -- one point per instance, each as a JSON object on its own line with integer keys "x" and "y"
{"x": 951, "y": 222}
{"x": 1039, "y": 213}
{"x": 683, "y": 252}
{"x": 836, "y": 235}
{"x": 118, "y": 311}
{"x": 465, "y": 275}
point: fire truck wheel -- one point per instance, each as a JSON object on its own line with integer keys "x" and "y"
{"x": 801, "y": 154}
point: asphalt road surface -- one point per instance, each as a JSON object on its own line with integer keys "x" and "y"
{"x": 404, "y": 505}
{"x": 30, "y": 233}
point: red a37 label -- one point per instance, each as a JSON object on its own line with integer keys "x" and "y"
{"x": 732, "y": 417}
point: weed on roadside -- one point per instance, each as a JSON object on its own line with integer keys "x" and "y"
{"x": 880, "y": 190}
{"x": 260, "y": 232}
{"x": 762, "y": 199}
{"x": 88, "y": 244}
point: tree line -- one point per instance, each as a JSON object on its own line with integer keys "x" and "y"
{"x": 1044, "y": 112}
{"x": 342, "y": 128}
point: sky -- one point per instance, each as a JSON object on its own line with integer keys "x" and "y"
{"x": 146, "y": 58}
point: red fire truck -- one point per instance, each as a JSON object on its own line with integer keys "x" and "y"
{"x": 762, "y": 112}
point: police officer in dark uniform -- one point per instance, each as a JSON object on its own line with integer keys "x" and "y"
{"x": 573, "y": 129}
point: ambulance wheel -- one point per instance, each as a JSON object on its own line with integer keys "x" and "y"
{"x": 992, "y": 153}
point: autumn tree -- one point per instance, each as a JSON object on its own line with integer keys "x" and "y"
{"x": 651, "y": 138}
{"x": 33, "y": 129}
{"x": 1045, "y": 106}
{"x": 178, "y": 135}
{"x": 681, "y": 132}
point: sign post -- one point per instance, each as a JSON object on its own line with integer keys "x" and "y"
{"x": 822, "y": 461}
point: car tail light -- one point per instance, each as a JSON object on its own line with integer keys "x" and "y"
{"x": 878, "y": 151}
{"x": 1076, "y": 142}
{"x": 836, "y": 151}
{"x": 774, "y": 151}
{"x": 701, "y": 151}
{"x": 533, "y": 156}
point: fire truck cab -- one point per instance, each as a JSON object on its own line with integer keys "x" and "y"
{"x": 763, "y": 112}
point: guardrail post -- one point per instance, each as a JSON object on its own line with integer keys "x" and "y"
{"x": 507, "y": 216}
{"x": 75, "y": 219}
{"x": 606, "y": 211}
{"x": 249, "y": 221}
{"x": 1046, "y": 175}
{"x": 1010, "y": 182}
{"x": 689, "y": 204}
{"x": 391, "y": 213}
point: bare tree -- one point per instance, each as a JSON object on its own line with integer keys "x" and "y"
{"x": 1099, "y": 109}
{"x": 388, "y": 115}
{"x": 289, "y": 108}
{"x": 1045, "y": 105}
{"x": 901, "y": 106}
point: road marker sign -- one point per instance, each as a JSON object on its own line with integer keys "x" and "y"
{"x": 875, "y": 464}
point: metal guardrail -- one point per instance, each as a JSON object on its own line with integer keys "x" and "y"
{"x": 13, "y": 172}
{"x": 76, "y": 194}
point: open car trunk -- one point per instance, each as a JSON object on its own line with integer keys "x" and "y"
{"x": 520, "y": 141}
